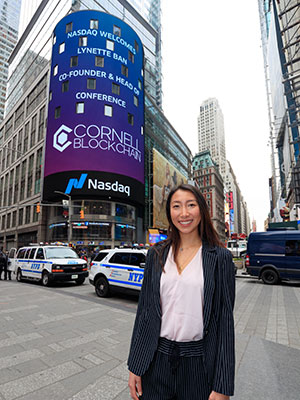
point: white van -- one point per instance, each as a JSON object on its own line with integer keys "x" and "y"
{"x": 119, "y": 269}
{"x": 49, "y": 263}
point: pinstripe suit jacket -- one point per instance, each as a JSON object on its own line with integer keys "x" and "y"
{"x": 218, "y": 323}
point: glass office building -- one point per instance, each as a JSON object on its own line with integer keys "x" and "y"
{"x": 9, "y": 21}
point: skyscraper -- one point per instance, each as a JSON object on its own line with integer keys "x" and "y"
{"x": 211, "y": 132}
{"x": 9, "y": 22}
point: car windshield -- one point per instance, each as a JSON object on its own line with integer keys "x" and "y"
{"x": 60, "y": 252}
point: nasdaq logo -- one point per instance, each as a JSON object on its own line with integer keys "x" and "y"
{"x": 76, "y": 183}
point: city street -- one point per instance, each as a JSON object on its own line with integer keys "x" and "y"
{"x": 63, "y": 342}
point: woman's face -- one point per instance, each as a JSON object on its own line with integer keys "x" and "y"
{"x": 185, "y": 212}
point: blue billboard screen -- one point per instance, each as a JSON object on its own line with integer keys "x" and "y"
{"x": 95, "y": 142}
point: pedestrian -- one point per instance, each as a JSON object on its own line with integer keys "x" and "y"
{"x": 3, "y": 264}
{"x": 182, "y": 344}
{"x": 9, "y": 266}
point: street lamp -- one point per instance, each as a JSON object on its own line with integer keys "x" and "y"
{"x": 69, "y": 211}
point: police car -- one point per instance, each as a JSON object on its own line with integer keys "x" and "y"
{"x": 49, "y": 263}
{"x": 117, "y": 269}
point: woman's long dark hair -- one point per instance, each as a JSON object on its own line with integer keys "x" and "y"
{"x": 206, "y": 229}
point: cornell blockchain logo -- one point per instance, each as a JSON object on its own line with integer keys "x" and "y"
{"x": 60, "y": 138}
{"x": 98, "y": 138}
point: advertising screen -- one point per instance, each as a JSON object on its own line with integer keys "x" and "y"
{"x": 95, "y": 142}
{"x": 165, "y": 177}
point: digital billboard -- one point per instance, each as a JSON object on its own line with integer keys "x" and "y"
{"x": 165, "y": 177}
{"x": 94, "y": 141}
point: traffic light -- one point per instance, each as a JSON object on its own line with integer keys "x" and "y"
{"x": 38, "y": 208}
{"x": 81, "y": 214}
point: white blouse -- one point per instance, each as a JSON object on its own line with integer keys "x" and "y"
{"x": 181, "y": 297}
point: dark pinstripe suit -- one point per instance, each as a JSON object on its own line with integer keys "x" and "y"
{"x": 219, "y": 295}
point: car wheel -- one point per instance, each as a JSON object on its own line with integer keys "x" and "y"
{"x": 45, "y": 279}
{"x": 269, "y": 277}
{"x": 102, "y": 287}
{"x": 19, "y": 275}
{"x": 80, "y": 280}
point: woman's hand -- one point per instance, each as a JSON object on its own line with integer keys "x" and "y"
{"x": 217, "y": 396}
{"x": 135, "y": 386}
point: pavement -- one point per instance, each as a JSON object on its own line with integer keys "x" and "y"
{"x": 65, "y": 343}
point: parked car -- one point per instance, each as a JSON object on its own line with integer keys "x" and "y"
{"x": 47, "y": 264}
{"x": 117, "y": 269}
{"x": 274, "y": 255}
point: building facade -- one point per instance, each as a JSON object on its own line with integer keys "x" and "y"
{"x": 279, "y": 21}
{"x": 208, "y": 179}
{"x": 85, "y": 220}
{"x": 9, "y": 22}
{"x": 211, "y": 134}
{"x": 238, "y": 219}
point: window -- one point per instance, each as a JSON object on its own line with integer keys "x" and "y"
{"x": 57, "y": 112}
{"x": 91, "y": 83}
{"x": 120, "y": 258}
{"x": 83, "y": 41}
{"x": 137, "y": 258}
{"x": 292, "y": 248}
{"x": 54, "y": 40}
{"x": 94, "y": 24}
{"x": 14, "y": 219}
{"x": 31, "y": 255}
{"x": 110, "y": 45}
{"x": 40, "y": 254}
{"x": 115, "y": 88}
{"x": 139, "y": 84}
{"x": 135, "y": 101}
{"x": 21, "y": 253}
{"x": 50, "y": 95}
{"x": 142, "y": 130}
{"x": 8, "y": 221}
{"x": 100, "y": 256}
{"x": 130, "y": 56}
{"x": 74, "y": 61}
{"x": 116, "y": 30}
{"x": 108, "y": 110}
{"x": 27, "y": 215}
{"x": 65, "y": 86}
{"x": 80, "y": 108}
{"x": 136, "y": 46}
{"x": 99, "y": 61}
{"x": 61, "y": 48}
{"x": 130, "y": 119}
{"x": 55, "y": 70}
{"x": 21, "y": 216}
{"x": 124, "y": 70}
{"x": 69, "y": 27}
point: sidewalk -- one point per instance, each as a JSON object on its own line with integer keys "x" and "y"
{"x": 64, "y": 343}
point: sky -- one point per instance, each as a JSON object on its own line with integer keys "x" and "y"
{"x": 213, "y": 49}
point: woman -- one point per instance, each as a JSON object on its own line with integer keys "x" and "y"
{"x": 182, "y": 345}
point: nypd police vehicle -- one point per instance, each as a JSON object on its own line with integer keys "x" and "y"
{"x": 49, "y": 263}
{"x": 117, "y": 269}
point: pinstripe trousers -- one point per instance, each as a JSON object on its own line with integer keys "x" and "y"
{"x": 177, "y": 372}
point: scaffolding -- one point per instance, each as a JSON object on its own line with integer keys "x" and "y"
{"x": 289, "y": 22}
